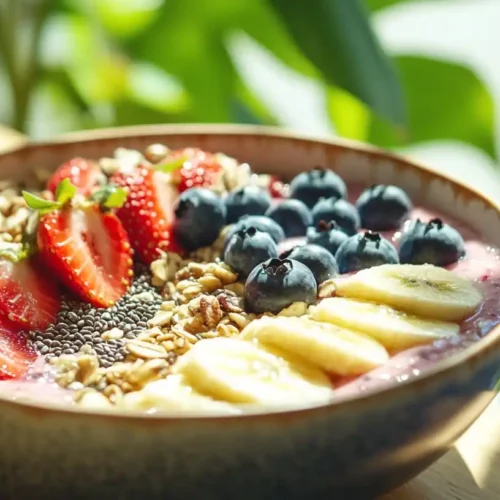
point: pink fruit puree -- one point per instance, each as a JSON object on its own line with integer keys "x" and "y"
{"x": 481, "y": 264}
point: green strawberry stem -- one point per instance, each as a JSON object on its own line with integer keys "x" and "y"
{"x": 110, "y": 196}
{"x": 65, "y": 192}
{"x": 171, "y": 165}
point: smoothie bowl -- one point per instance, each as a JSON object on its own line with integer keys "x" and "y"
{"x": 232, "y": 312}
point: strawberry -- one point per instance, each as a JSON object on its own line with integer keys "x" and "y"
{"x": 147, "y": 214}
{"x": 82, "y": 173}
{"x": 276, "y": 188}
{"x": 16, "y": 354}
{"x": 200, "y": 169}
{"x": 85, "y": 246}
{"x": 28, "y": 296}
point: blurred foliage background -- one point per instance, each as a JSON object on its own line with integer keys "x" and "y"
{"x": 79, "y": 64}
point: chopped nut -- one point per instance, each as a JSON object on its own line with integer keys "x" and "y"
{"x": 87, "y": 366}
{"x": 159, "y": 272}
{"x": 168, "y": 305}
{"x": 210, "y": 282}
{"x": 113, "y": 334}
{"x": 227, "y": 330}
{"x": 4, "y": 205}
{"x": 182, "y": 333}
{"x": 210, "y": 310}
{"x": 295, "y": 309}
{"x": 192, "y": 290}
{"x": 168, "y": 345}
{"x": 109, "y": 166}
{"x": 225, "y": 275}
{"x": 239, "y": 319}
{"x": 144, "y": 296}
{"x": 150, "y": 333}
{"x": 229, "y": 301}
{"x": 17, "y": 219}
{"x": 161, "y": 318}
{"x": 238, "y": 288}
{"x": 145, "y": 350}
{"x": 156, "y": 152}
{"x": 147, "y": 372}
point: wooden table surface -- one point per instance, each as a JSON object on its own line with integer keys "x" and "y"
{"x": 467, "y": 472}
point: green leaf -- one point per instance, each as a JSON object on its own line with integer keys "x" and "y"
{"x": 350, "y": 117}
{"x": 376, "y": 5}
{"x": 261, "y": 22}
{"x": 124, "y": 18}
{"x": 337, "y": 37}
{"x": 446, "y": 101}
{"x": 152, "y": 87}
{"x": 116, "y": 199}
{"x": 189, "y": 44}
{"x": 171, "y": 165}
{"x": 65, "y": 191}
{"x": 110, "y": 196}
{"x": 39, "y": 204}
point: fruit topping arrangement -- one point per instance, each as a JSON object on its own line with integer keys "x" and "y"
{"x": 179, "y": 280}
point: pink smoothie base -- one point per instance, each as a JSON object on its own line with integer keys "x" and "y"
{"x": 481, "y": 265}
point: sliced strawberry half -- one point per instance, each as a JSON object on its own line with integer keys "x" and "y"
{"x": 147, "y": 214}
{"x": 89, "y": 251}
{"x": 84, "y": 243}
{"x": 200, "y": 169}
{"x": 82, "y": 173}
{"x": 16, "y": 354}
{"x": 28, "y": 296}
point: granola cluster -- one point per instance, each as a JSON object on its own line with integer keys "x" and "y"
{"x": 201, "y": 301}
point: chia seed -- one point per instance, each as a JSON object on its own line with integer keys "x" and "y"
{"x": 79, "y": 323}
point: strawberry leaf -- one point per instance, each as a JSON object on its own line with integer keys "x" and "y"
{"x": 171, "y": 165}
{"x": 65, "y": 191}
{"x": 39, "y": 204}
{"x": 117, "y": 198}
{"x": 110, "y": 196}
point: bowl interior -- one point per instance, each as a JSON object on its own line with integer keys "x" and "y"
{"x": 285, "y": 154}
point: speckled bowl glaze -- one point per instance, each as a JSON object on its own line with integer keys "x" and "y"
{"x": 356, "y": 449}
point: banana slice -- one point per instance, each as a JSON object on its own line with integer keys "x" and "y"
{"x": 394, "y": 329}
{"x": 424, "y": 290}
{"x": 238, "y": 371}
{"x": 334, "y": 349}
{"x": 173, "y": 394}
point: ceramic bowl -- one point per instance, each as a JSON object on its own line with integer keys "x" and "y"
{"x": 356, "y": 449}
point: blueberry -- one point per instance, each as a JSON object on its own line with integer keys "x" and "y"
{"x": 199, "y": 217}
{"x": 260, "y": 222}
{"x": 309, "y": 187}
{"x": 382, "y": 208}
{"x": 293, "y": 216}
{"x": 327, "y": 235}
{"x": 340, "y": 211}
{"x": 432, "y": 243}
{"x": 318, "y": 259}
{"x": 249, "y": 200}
{"x": 365, "y": 250}
{"x": 276, "y": 283}
{"x": 247, "y": 248}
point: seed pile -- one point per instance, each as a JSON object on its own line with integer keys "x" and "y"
{"x": 104, "y": 330}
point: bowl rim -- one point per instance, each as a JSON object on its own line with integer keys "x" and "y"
{"x": 470, "y": 354}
